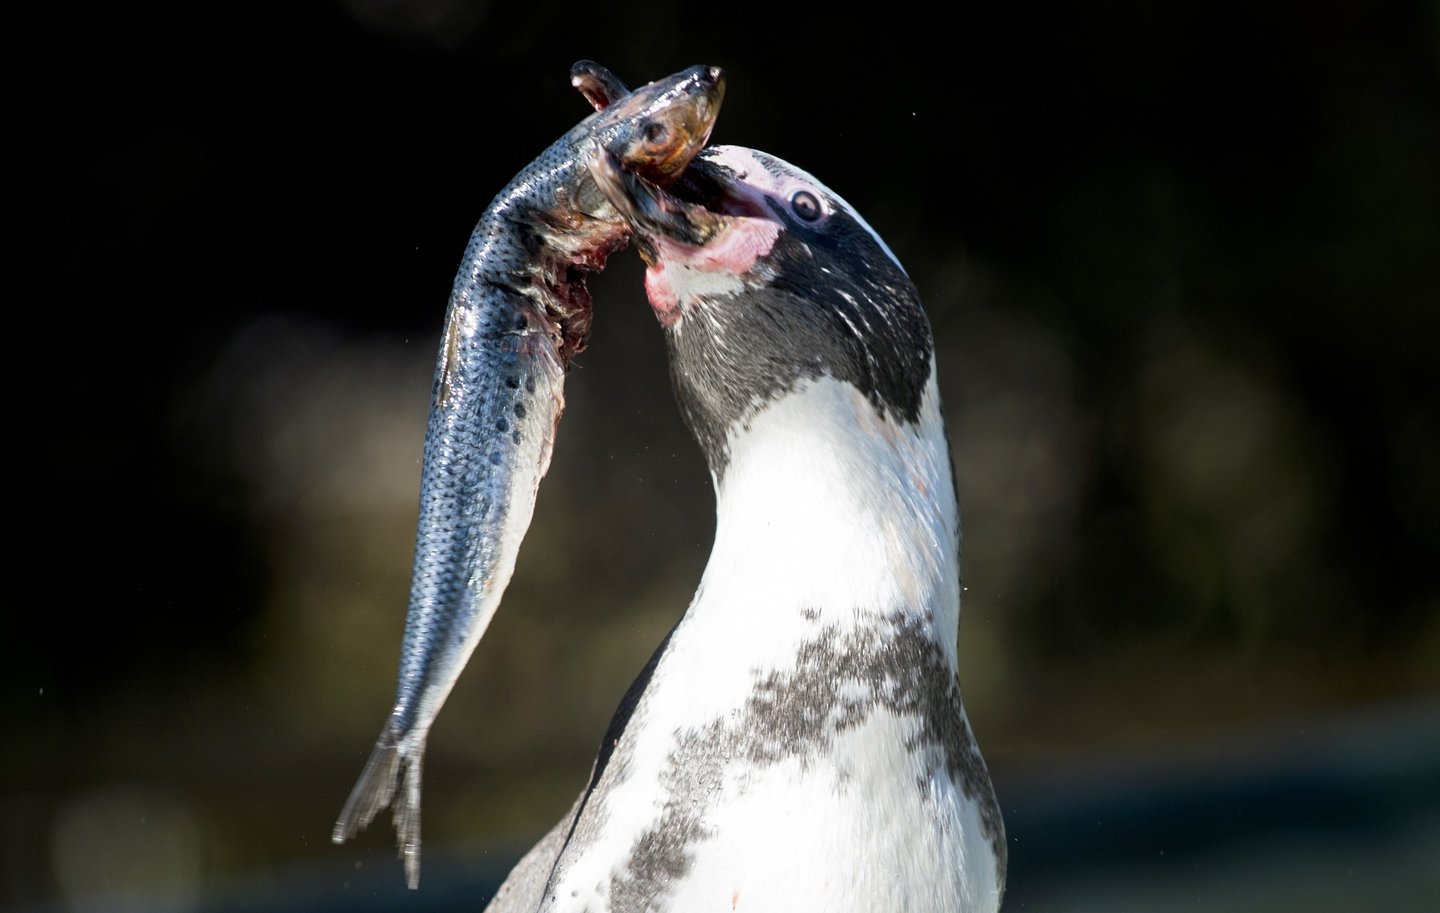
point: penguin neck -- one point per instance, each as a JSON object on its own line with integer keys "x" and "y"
{"x": 832, "y": 515}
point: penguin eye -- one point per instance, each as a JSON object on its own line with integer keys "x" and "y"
{"x": 806, "y": 206}
{"x": 656, "y": 132}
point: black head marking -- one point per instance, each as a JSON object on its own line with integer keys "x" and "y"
{"x": 828, "y": 300}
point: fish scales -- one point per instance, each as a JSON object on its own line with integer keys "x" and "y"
{"x": 518, "y": 313}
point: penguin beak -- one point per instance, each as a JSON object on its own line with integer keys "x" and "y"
{"x": 653, "y": 211}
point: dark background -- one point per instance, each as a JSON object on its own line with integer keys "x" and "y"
{"x": 1183, "y": 266}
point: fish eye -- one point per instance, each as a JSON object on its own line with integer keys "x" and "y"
{"x": 806, "y": 206}
{"x": 656, "y": 132}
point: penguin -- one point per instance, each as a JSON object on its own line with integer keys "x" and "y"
{"x": 798, "y": 741}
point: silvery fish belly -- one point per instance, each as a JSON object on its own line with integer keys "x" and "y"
{"x": 518, "y": 312}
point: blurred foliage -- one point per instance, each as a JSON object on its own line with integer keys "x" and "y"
{"x": 1183, "y": 265}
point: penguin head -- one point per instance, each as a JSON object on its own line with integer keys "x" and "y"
{"x": 763, "y": 278}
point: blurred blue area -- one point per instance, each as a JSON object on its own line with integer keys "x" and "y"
{"x": 1342, "y": 816}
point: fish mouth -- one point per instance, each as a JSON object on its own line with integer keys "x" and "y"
{"x": 654, "y": 131}
{"x": 706, "y": 200}
{"x": 663, "y": 130}
{"x": 666, "y": 144}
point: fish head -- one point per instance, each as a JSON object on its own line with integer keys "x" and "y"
{"x": 656, "y": 130}
{"x": 763, "y": 278}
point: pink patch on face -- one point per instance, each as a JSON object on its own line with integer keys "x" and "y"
{"x": 682, "y": 272}
{"x": 662, "y": 297}
{"x": 737, "y": 249}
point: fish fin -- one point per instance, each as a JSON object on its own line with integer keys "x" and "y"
{"x": 599, "y": 86}
{"x": 373, "y": 791}
{"x": 642, "y": 203}
{"x": 407, "y": 816}
{"x": 386, "y": 769}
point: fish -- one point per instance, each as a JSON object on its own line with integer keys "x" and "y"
{"x": 519, "y": 312}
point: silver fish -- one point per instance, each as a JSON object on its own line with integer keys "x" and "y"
{"x": 518, "y": 312}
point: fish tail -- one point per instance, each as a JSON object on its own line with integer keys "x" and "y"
{"x": 373, "y": 791}
{"x": 388, "y": 768}
{"x": 407, "y": 818}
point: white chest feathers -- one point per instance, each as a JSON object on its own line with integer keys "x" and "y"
{"x": 799, "y": 743}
